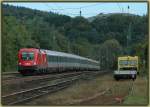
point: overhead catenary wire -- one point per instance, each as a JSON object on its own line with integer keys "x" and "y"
{"x": 62, "y": 9}
{"x": 75, "y": 7}
{"x": 56, "y": 10}
{"x": 119, "y": 6}
{"x": 78, "y": 11}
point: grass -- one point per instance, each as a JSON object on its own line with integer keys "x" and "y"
{"x": 139, "y": 94}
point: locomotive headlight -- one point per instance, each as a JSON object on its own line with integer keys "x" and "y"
{"x": 19, "y": 63}
{"x": 34, "y": 63}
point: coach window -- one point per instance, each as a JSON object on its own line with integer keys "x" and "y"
{"x": 64, "y": 59}
{"x": 72, "y": 60}
{"x": 49, "y": 58}
{"x": 58, "y": 58}
{"x": 82, "y": 61}
{"x": 69, "y": 60}
{"x": 52, "y": 58}
{"x": 61, "y": 59}
{"x": 75, "y": 60}
{"x": 55, "y": 59}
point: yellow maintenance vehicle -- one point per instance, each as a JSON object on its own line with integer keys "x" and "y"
{"x": 127, "y": 67}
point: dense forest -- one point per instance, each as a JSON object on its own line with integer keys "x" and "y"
{"x": 103, "y": 38}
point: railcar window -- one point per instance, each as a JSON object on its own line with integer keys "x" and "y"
{"x": 123, "y": 62}
{"x": 133, "y": 62}
{"x": 27, "y": 55}
{"x": 130, "y": 62}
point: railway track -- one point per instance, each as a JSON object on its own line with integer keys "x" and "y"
{"x": 21, "y": 84}
{"x": 22, "y": 96}
{"x": 36, "y": 89}
{"x": 35, "y": 78}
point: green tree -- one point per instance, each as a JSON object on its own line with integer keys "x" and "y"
{"x": 108, "y": 53}
{"x": 14, "y": 37}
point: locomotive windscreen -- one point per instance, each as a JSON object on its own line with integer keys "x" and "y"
{"x": 27, "y": 56}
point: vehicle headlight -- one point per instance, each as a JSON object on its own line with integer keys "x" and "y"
{"x": 19, "y": 63}
{"x": 34, "y": 63}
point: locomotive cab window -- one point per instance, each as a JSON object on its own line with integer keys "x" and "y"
{"x": 27, "y": 56}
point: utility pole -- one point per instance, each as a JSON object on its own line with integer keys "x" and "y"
{"x": 69, "y": 50}
{"x": 129, "y": 36}
{"x": 80, "y": 12}
{"x": 54, "y": 41}
{"x": 128, "y": 9}
{"x": 122, "y": 10}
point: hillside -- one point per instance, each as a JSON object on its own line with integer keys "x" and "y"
{"x": 100, "y": 15}
{"x": 103, "y": 38}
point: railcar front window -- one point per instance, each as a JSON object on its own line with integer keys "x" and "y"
{"x": 27, "y": 55}
{"x": 130, "y": 62}
{"x": 123, "y": 62}
{"x": 133, "y": 62}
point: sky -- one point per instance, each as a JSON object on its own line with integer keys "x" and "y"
{"x": 88, "y": 9}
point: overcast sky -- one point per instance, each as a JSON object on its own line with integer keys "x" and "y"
{"x": 88, "y": 9}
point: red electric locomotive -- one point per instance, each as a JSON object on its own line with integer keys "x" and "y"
{"x": 32, "y": 61}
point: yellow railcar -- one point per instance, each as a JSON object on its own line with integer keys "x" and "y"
{"x": 127, "y": 67}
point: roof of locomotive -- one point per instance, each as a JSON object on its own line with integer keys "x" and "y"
{"x": 28, "y": 49}
{"x": 56, "y": 53}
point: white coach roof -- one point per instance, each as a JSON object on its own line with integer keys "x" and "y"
{"x": 56, "y": 53}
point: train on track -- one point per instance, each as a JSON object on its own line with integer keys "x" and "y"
{"x": 36, "y": 61}
{"x": 127, "y": 67}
